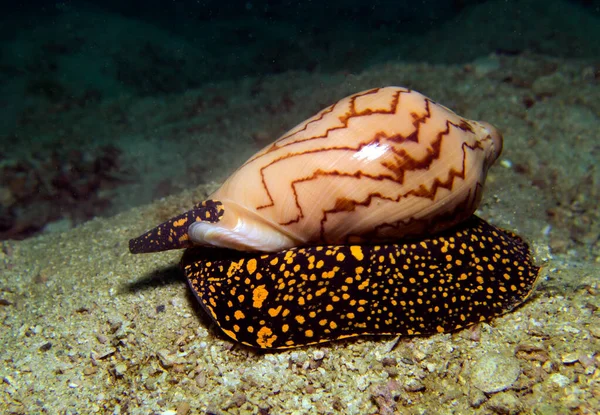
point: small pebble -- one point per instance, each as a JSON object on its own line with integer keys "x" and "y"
{"x": 104, "y": 353}
{"x": 595, "y": 331}
{"x": 476, "y": 397}
{"x": 151, "y": 384}
{"x": 507, "y": 164}
{"x": 569, "y": 358}
{"x": 414, "y": 385}
{"x": 183, "y": 408}
{"x": 549, "y": 366}
{"x": 102, "y": 339}
{"x": 431, "y": 367}
{"x": 419, "y": 355}
{"x": 390, "y": 366}
{"x": 200, "y": 380}
{"x": 505, "y": 403}
{"x": 166, "y": 359}
{"x": 495, "y": 372}
{"x": 389, "y": 361}
{"x": 238, "y": 399}
{"x": 362, "y": 383}
{"x": 45, "y": 347}
{"x": 570, "y": 329}
{"x": 587, "y": 360}
{"x": 475, "y": 333}
{"x": 318, "y": 355}
{"x": 560, "y": 380}
{"x": 391, "y": 370}
{"x": 120, "y": 369}
{"x": 407, "y": 361}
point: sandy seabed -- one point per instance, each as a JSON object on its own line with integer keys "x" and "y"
{"x": 89, "y": 328}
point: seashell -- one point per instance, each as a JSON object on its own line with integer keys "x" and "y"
{"x": 358, "y": 221}
{"x": 376, "y": 166}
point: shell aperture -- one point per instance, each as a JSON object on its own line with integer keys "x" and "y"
{"x": 376, "y": 166}
{"x": 306, "y": 295}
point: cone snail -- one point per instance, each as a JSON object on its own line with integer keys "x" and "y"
{"x": 358, "y": 220}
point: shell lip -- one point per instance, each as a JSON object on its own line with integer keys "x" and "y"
{"x": 242, "y": 229}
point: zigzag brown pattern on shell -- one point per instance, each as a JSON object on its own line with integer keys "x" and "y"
{"x": 398, "y": 169}
{"x": 346, "y": 118}
{"x": 349, "y": 205}
{"x": 352, "y": 113}
{"x": 319, "y": 117}
{"x": 448, "y": 218}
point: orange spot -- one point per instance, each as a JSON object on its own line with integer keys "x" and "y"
{"x": 357, "y": 252}
{"x": 273, "y": 312}
{"x": 265, "y": 337}
{"x": 179, "y": 223}
{"x": 251, "y": 266}
{"x": 230, "y": 334}
{"x": 259, "y": 294}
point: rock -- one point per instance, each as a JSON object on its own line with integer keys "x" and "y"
{"x": 505, "y": 403}
{"x": 569, "y": 358}
{"x": 166, "y": 359}
{"x": 495, "y": 372}
{"x": 120, "y": 369}
{"x": 183, "y": 408}
{"x": 549, "y": 409}
{"x": 560, "y": 380}
{"x": 414, "y": 385}
{"x": 476, "y": 397}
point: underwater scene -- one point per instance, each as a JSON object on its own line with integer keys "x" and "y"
{"x": 300, "y": 207}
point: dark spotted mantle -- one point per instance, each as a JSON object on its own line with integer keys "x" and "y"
{"x": 470, "y": 273}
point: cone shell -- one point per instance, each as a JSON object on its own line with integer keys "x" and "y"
{"x": 378, "y": 165}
